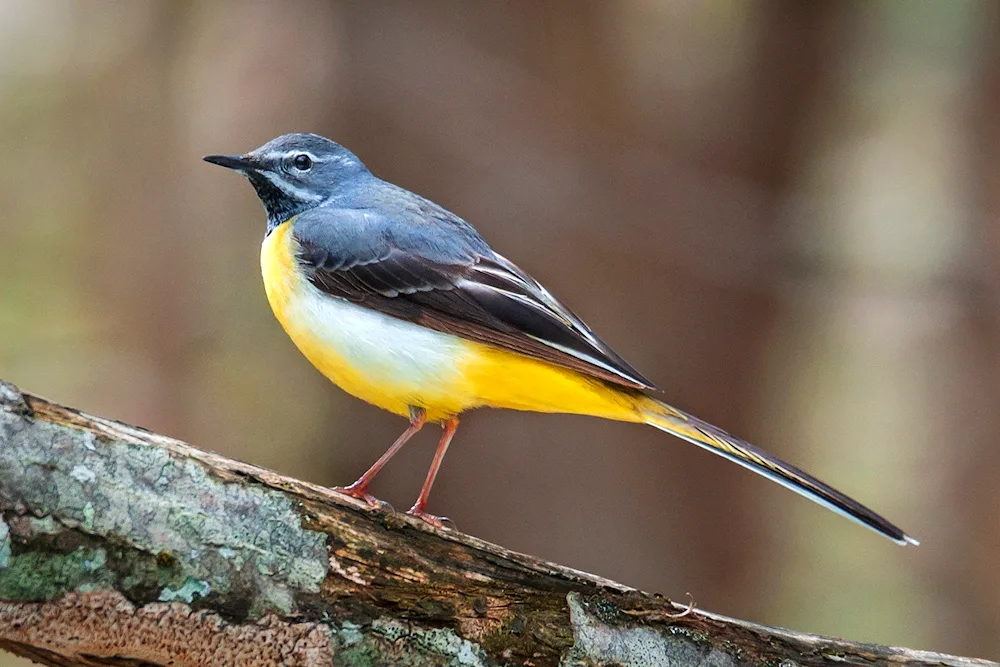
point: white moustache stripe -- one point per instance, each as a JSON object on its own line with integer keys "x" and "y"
{"x": 290, "y": 189}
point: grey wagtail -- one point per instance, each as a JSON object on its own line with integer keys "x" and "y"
{"x": 402, "y": 304}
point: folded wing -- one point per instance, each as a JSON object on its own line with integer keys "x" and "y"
{"x": 450, "y": 282}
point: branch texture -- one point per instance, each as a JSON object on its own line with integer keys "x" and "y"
{"x": 122, "y": 547}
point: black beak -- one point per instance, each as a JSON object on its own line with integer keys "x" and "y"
{"x": 237, "y": 162}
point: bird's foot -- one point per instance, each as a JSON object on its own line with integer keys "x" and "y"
{"x": 360, "y": 491}
{"x": 438, "y": 521}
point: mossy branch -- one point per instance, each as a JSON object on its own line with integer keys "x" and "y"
{"x": 119, "y": 546}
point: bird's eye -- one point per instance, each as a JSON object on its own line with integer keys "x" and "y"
{"x": 302, "y": 162}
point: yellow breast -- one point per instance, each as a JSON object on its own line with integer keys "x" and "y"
{"x": 396, "y": 364}
{"x": 380, "y": 359}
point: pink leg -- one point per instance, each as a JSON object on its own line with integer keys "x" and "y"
{"x": 417, "y": 510}
{"x": 360, "y": 488}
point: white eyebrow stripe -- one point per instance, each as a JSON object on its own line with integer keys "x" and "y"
{"x": 290, "y": 154}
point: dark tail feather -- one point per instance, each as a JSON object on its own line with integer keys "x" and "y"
{"x": 703, "y": 434}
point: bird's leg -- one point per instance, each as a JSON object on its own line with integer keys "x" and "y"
{"x": 417, "y": 510}
{"x": 360, "y": 488}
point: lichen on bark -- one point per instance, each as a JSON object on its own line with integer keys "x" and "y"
{"x": 119, "y": 546}
{"x": 161, "y": 519}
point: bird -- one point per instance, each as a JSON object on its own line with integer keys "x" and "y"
{"x": 403, "y": 304}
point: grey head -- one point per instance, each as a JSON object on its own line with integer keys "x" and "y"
{"x": 294, "y": 173}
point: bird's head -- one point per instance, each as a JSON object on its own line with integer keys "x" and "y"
{"x": 294, "y": 172}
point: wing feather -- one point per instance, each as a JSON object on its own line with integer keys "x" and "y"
{"x": 465, "y": 289}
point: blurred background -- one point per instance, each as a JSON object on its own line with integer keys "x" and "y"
{"x": 783, "y": 212}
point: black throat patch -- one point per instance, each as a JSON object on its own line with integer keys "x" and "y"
{"x": 278, "y": 205}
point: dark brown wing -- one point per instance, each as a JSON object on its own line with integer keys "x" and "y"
{"x": 458, "y": 287}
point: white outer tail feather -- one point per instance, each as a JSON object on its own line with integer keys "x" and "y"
{"x": 706, "y": 436}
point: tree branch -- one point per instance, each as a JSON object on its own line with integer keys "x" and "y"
{"x": 122, "y": 547}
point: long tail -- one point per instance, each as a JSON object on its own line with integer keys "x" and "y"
{"x": 716, "y": 440}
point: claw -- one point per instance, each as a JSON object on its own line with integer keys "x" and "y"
{"x": 360, "y": 491}
{"x": 438, "y": 521}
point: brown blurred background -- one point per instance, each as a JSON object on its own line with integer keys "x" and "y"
{"x": 784, "y": 213}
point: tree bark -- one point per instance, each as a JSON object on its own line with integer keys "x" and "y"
{"x": 122, "y": 547}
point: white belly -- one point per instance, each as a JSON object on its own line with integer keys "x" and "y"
{"x": 383, "y": 348}
{"x": 386, "y": 361}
